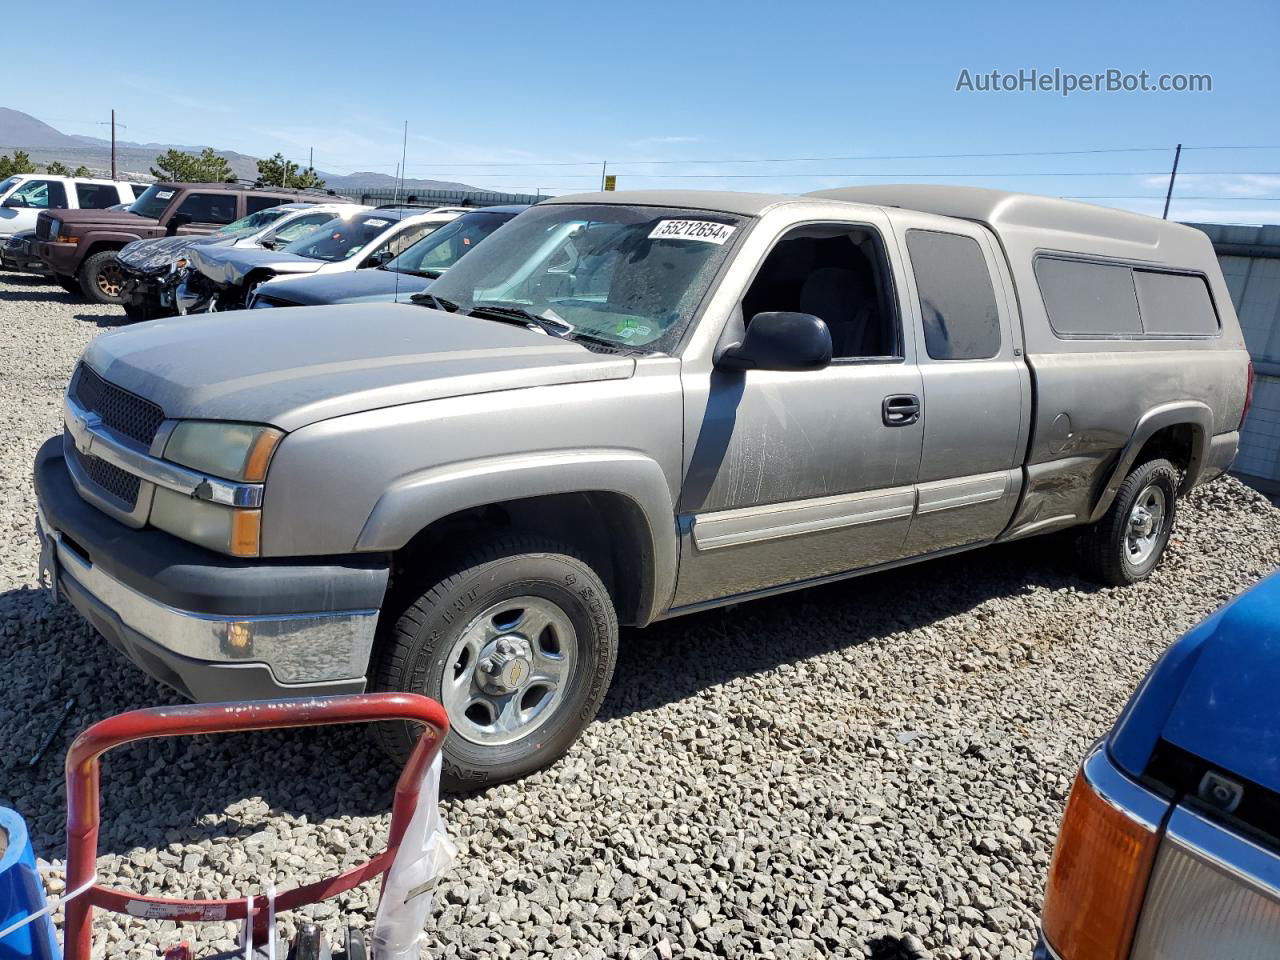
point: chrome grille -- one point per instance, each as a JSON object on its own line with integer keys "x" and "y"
{"x": 122, "y": 411}
{"x": 110, "y": 479}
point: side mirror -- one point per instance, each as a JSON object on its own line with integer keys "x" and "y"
{"x": 13, "y": 202}
{"x": 176, "y": 221}
{"x": 780, "y": 341}
{"x": 380, "y": 258}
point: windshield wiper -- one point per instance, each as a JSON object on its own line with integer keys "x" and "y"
{"x": 430, "y": 299}
{"x": 511, "y": 313}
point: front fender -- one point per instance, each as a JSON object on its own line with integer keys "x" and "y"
{"x": 1189, "y": 412}
{"x": 419, "y": 499}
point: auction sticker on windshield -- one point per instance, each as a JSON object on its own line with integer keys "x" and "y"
{"x": 708, "y": 231}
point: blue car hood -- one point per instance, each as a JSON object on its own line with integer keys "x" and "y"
{"x": 356, "y": 286}
{"x": 1215, "y": 693}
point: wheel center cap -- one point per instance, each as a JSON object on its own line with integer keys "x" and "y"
{"x": 506, "y": 666}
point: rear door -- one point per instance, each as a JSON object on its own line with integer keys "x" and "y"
{"x": 977, "y": 392}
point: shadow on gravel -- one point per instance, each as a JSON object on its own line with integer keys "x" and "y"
{"x": 54, "y": 294}
{"x": 27, "y": 279}
{"x": 675, "y": 659}
{"x": 104, "y": 319}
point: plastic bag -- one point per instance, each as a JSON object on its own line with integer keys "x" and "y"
{"x": 425, "y": 853}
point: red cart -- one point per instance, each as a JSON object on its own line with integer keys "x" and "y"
{"x": 83, "y": 794}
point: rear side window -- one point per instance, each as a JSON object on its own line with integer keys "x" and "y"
{"x": 96, "y": 196}
{"x": 254, "y": 204}
{"x": 1088, "y": 299}
{"x": 210, "y": 207}
{"x": 1101, "y": 300}
{"x": 138, "y": 189}
{"x": 957, "y": 301}
{"x": 1175, "y": 304}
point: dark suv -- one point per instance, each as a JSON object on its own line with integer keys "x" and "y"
{"x": 79, "y": 246}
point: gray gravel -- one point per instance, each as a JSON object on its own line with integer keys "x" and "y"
{"x": 875, "y": 768}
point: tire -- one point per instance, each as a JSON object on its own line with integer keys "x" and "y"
{"x": 101, "y": 278}
{"x": 69, "y": 284}
{"x": 1109, "y": 549}
{"x": 442, "y": 641}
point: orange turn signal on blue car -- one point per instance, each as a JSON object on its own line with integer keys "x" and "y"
{"x": 1097, "y": 878}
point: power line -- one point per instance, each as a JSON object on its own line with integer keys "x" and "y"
{"x": 897, "y": 173}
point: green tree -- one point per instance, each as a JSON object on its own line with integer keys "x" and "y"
{"x": 278, "y": 172}
{"x": 174, "y": 166}
{"x": 20, "y": 162}
{"x": 57, "y": 169}
{"x": 82, "y": 171}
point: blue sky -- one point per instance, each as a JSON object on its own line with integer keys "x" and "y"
{"x": 490, "y": 83}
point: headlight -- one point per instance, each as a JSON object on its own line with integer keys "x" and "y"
{"x": 224, "y": 529}
{"x": 233, "y": 451}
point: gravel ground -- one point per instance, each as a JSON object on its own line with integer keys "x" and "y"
{"x": 875, "y": 768}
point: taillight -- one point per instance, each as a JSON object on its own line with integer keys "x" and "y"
{"x": 1248, "y": 395}
{"x": 1097, "y": 878}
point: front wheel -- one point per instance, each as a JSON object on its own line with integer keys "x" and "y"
{"x": 102, "y": 278}
{"x": 1127, "y": 543}
{"x": 519, "y": 645}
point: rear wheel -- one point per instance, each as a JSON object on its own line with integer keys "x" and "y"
{"x": 101, "y": 278}
{"x": 518, "y": 643}
{"x": 1126, "y": 545}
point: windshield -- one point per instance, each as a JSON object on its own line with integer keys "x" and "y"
{"x": 340, "y": 239}
{"x": 434, "y": 254}
{"x": 254, "y": 221}
{"x": 8, "y": 185}
{"x": 630, "y": 276}
{"x": 153, "y": 200}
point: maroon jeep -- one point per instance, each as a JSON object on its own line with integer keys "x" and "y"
{"x": 79, "y": 246}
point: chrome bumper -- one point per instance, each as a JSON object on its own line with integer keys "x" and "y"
{"x": 299, "y": 650}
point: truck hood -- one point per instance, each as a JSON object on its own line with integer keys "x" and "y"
{"x": 354, "y": 286}
{"x": 101, "y": 218}
{"x": 228, "y": 266}
{"x": 295, "y": 367}
{"x": 1213, "y": 693}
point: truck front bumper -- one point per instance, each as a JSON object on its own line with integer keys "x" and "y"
{"x": 59, "y": 258}
{"x": 211, "y": 627}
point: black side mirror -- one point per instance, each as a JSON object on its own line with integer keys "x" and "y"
{"x": 176, "y": 221}
{"x": 381, "y": 258}
{"x": 781, "y": 341}
{"x": 14, "y": 202}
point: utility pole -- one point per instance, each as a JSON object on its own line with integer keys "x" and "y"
{"x": 113, "y": 144}
{"x": 604, "y": 166}
{"x": 311, "y": 159}
{"x": 1173, "y": 175}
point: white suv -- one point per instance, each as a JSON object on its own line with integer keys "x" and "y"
{"x": 24, "y": 195}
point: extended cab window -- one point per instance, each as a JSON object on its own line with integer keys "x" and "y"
{"x": 96, "y": 196}
{"x": 838, "y": 274}
{"x": 209, "y": 207}
{"x": 1175, "y": 304}
{"x": 957, "y": 300}
{"x": 1088, "y": 299}
{"x": 39, "y": 194}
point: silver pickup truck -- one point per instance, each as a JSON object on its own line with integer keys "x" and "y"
{"x": 621, "y": 408}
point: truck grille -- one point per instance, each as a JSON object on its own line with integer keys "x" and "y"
{"x": 119, "y": 484}
{"x": 42, "y": 228}
{"x": 122, "y": 411}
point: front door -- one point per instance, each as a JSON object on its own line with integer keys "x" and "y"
{"x": 794, "y": 476}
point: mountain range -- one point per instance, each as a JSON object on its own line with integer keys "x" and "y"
{"x": 44, "y": 144}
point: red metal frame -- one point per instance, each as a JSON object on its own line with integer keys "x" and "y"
{"x": 83, "y": 775}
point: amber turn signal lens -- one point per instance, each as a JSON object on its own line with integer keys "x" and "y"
{"x": 255, "y": 463}
{"x": 1097, "y": 878}
{"x": 246, "y": 527}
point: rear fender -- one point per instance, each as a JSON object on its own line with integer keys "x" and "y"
{"x": 1183, "y": 412}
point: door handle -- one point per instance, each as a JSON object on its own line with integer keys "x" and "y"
{"x": 900, "y": 410}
